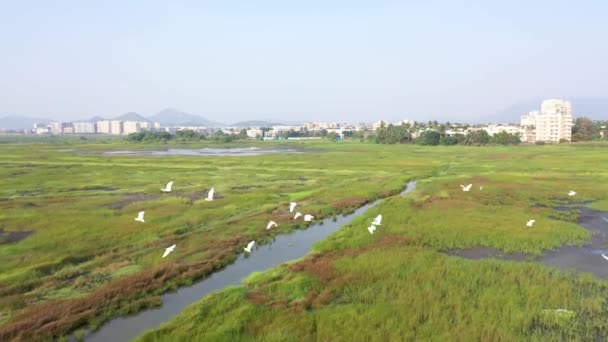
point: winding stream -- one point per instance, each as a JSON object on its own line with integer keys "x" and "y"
{"x": 284, "y": 248}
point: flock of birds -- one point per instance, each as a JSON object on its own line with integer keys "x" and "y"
{"x": 210, "y": 197}
{"x": 530, "y": 223}
{"x": 307, "y": 217}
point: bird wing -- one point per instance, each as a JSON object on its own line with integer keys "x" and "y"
{"x": 250, "y": 244}
{"x": 604, "y": 256}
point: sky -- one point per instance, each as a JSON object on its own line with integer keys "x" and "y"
{"x": 298, "y": 60}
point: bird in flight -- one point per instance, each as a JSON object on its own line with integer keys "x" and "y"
{"x": 377, "y": 221}
{"x": 571, "y": 193}
{"x": 168, "y": 187}
{"x": 168, "y": 250}
{"x": 604, "y": 256}
{"x": 371, "y": 229}
{"x": 249, "y": 246}
{"x": 530, "y": 223}
{"x": 140, "y": 217}
{"x": 292, "y": 206}
{"x": 481, "y": 187}
{"x": 308, "y": 218}
{"x": 271, "y": 224}
{"x": 295, "y": 217}
{"x": 466, "y": 188}
{"x": 210, "y": 195}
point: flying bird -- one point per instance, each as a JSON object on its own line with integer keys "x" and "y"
{"x": 571, "y": 193}
{"x": 168, "y": 250}
{"x": 466, "y": 188}
{"x": 308, "y": 218}
{"x": 530, "y": 223}
{"x": 292, "y": 206}
{"x": 377, "y": 221}
{"x": 249, "y": 246}
{"x": 271, "y": 224}
{"x": 604, "y": 256}
{"x": 295, "y": 217}
{"x": 140, "y": 217}
{"x": 168, "y": 187}
{"x": 210, "y": 195}
{"x": 371, "y": 229}
{"x": 481, "y": 187}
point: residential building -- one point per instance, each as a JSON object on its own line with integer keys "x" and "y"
{"x": 84, "y": 128}
{"x": 41, "y": 128}
{"x": 129, "y": 127}
{"x": 379, "y": 124}
{"x": 495, "y": 129}
{"x": 254, "y": 133}
{"x": 116, "y": 127}
{"x": 104, "y": 127}
{"x": 552, "y": 124}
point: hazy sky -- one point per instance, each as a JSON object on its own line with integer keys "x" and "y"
{"x": 317, "y": 59}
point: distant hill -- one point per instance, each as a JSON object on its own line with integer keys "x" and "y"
{"x": 255, "y": 123}
{"x": 131, "y": 116}
{"x": 95, "y": 119}
{"x": 174, "y": 117}
{"x": 20, "y": 122}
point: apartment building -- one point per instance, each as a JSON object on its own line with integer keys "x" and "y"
{"x": 129, "y": 127}
{"x": 84, "y": 128}
{"x": 552, "y": 124}
{"x": 116, "y": 127}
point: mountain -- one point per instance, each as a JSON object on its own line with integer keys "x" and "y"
{"x": 131, "y": 116}
{"x": 174, "y": 117}
{"x": 255, "y": 123}
{"x": 95, "y": 119}
{"x": 20, "y": 122}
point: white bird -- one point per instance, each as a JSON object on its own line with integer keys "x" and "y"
{"x": 210, "y": 195}
{"x": 295, "y": 217}
{"x": 140, "y": 217}
{"x": 270, "y": 224}
{"x": 530, "y": 223}
{"x": 168, "y": 187}
{"x": 249, "y": 246}
{"x": 571, "y": 193}
{"x": 604, "y": 256}
{"x": 377, "y": 221}
{"x": 466, "y": 188}
{"x": 308, "y": 218}
{"x": 292, "y": 206}
{"x": 168, "y": 250}
{"x": 481, "y": 187}
{"x": 371, "y": 229}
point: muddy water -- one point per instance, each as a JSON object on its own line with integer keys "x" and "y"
{"x": 585, "y": 258}
{"x": 284, "y": 248}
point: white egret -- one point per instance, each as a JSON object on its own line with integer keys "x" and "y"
{"x": 371, "y": 229}
{"x": 249, "y": 246}
{"x": 295, "y": 217}
{"x": 481, "y": 187}
{"x": 292, "y": 206}
{"x": 530, "y": 223}
{"x": 571, "y": 193}
{"x": 168, "y": 250}
{"x": 466, "y": 188}
{"x": 271, "y": 224}
{"x": 140, "y": 217}
{"x": 308, "y": 218}
{"x": 168, "y": 187}
{"x": 604, "y": 256}
{"x": 210, "y": 195}
{"x": 377, "y": 221}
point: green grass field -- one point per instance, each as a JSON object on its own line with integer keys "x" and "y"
{"x": 87, "y": 260}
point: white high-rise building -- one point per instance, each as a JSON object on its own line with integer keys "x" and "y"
{"x": 131, "y": 127}
{"x": 84, "y": 128}
{"x": 104, "y": 127}
{"x": 116, "y": 127}
{"x": 552, "y": 124}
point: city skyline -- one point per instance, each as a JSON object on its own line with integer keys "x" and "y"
{"x": 337, "y": 61}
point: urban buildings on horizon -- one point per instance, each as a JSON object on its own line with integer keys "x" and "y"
{"x": 552, "y": 124}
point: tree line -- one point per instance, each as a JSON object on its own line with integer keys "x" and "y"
{"x": 436, "y": 135}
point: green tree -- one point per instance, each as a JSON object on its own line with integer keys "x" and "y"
{"x": 584, "y": 129}
{"x": 429, "y": 138}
